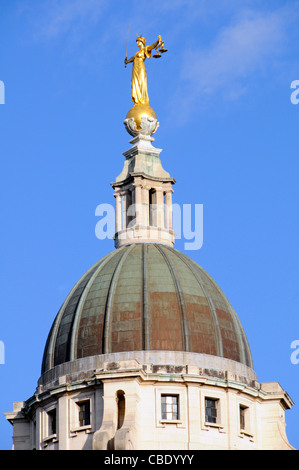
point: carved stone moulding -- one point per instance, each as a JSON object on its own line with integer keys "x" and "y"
{"x": 141, "y": 119}
{"x": 148, "y": 126}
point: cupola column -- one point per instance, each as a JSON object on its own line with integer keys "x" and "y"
{"x": 158, "y": 202}
{"x": 168, "y": 198}
{"x": 138, "y": 203}
{"x": 124, "y": 199}
{"x": 118, "y": 211}
{"x": 145, "y": 205}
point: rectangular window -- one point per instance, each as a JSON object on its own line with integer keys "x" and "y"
{"x": 52, "y": 422}
{"x": 243, "y": 412}
{"x": 211, "y": 410}
{"x": 170, "y": 407}
{"x": 84, "y": 413}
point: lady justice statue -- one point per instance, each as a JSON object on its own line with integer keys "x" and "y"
{"x": 142, "y": 116}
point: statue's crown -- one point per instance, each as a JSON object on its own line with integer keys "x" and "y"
{"x": 141, "y": 38}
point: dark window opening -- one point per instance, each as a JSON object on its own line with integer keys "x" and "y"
{"x": 84, "y": 413}
{"x": 151, "y": 207}
{"x": 211, "y": 408}
{"x": 121, "y": 409}
{"x": 242, "y": 417}
{"x": 52, "y": 421}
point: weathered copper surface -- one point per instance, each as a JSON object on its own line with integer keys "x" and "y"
{"x": 145, "y": 297}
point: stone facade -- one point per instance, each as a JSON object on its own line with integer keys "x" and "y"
{"x": 124, "y": 393}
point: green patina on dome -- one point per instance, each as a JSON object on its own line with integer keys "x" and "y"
{"x": 145, "y": 296}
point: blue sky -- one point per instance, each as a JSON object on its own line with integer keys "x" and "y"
{"x": 229, "y": 134}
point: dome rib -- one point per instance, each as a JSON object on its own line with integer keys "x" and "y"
{"x": 185, "y": 328}
{"x": 243, "y": 344}
{"x": 49, "y": 359}
{"x": 145, "y": 310}
{"x": 145, "y": 296}
{"x": 106, "y": 348}
{"x": 246, "y": 357}
{"x": 80, "y": 306}
{"x": 210, "y": 302}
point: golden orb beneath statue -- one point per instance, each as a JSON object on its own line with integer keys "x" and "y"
{"x": 139, "y": 111}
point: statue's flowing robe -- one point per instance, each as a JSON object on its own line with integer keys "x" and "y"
{"x": 139, "y": 78}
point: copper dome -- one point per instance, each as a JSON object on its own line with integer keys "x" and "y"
{"x": 145, "y": 296}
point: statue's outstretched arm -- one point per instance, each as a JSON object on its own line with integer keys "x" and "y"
{"x": 153, "y": 46}
{"x": 128, "y": 61}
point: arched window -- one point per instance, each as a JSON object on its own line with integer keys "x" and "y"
{"x": 121, "y": 408}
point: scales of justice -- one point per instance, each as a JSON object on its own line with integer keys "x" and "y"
{"x": 142, "y": 119}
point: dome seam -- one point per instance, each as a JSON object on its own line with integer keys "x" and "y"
{"x": 57, "y": 321}
{"x": 78, "y": 312}
{"x": 107, "y": 313}
{"x": 219, "y": 344}
{"x": 186, "y": 334}
{"x": 243, "y": 353}
{"x": 93, "y": 308}
{"x": 145, "y": 312}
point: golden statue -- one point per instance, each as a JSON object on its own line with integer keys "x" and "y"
{"x": 139, "y": 78}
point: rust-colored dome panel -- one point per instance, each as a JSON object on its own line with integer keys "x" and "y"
{"x": 145, "y": 296}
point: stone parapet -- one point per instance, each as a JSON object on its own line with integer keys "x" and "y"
{"x": 176, "y": 363}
